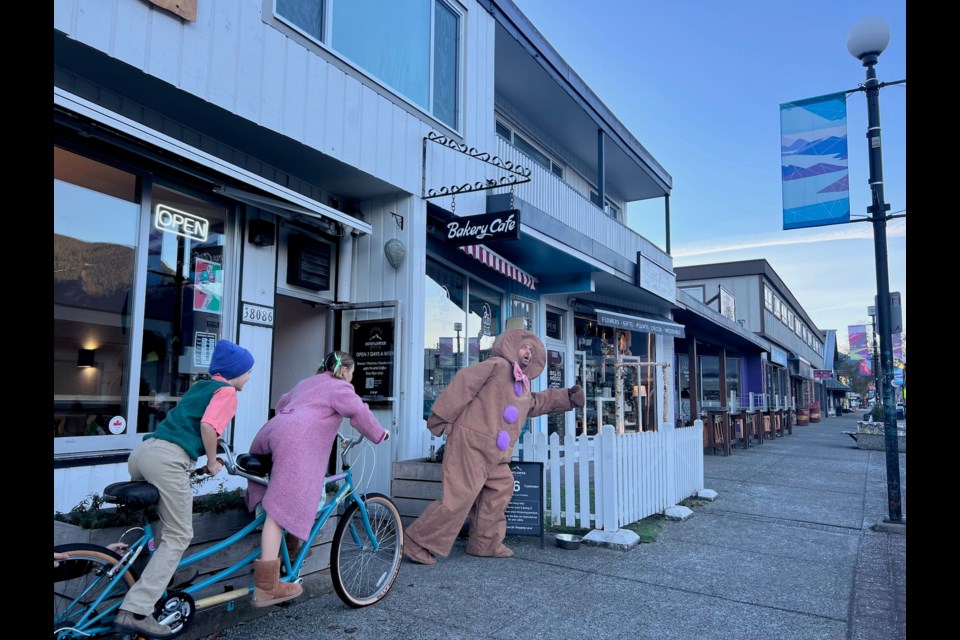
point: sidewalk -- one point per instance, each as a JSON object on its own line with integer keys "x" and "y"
{"x": 787, "y": 551}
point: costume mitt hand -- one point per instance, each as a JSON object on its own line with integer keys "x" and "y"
{"x": 577, "y": 398}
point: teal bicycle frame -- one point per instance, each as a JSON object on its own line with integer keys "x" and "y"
{"x": 96, "y": 621}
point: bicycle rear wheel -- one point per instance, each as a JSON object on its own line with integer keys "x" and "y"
{"x": 361, "y": 575}
{"x": 80, "y": 580}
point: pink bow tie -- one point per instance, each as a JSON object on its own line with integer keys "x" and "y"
{"x": 520, "y": 376}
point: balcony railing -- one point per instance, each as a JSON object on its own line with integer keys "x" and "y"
{"x": 553, "y": 196}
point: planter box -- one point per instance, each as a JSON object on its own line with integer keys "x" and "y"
{"x": 814, "y": 415}
{"x": 803, "y": 417}
{"x": 415, "y": 484}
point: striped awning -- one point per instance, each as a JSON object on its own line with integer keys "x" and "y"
{"x": 500, "y": 264}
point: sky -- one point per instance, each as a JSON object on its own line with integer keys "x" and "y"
{"x": 700, "y": 83}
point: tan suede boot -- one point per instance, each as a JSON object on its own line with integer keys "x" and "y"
{"x": 268, "y": 589}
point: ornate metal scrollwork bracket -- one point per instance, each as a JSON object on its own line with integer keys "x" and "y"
{"x": 516, "y": 173}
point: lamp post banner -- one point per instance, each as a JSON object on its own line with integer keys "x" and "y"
{"x": 813, "y": 161}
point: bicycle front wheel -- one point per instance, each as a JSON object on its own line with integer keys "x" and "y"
{"x": 363, "y": 575}
{"x": 82, "y": 591}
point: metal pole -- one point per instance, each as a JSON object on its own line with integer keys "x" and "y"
{"x": 878, "y": 209}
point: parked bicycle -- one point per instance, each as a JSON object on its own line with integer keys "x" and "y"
{"x": 365, "y": 554}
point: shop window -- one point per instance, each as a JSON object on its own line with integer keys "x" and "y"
{"x": 527, "y": 309}
{"x": 127, "y": 343}
{"x": 554, "y": 330}
{"x": 709, "y": 381}
{"x": 96, "y": 222}
{"x": 412, "y": 46}
{"x": 483, "y": 322}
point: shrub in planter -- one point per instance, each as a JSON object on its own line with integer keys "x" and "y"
{"x": 876, "y": 413}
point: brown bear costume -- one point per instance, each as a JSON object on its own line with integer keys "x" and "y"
{"x": 481, "y": 412}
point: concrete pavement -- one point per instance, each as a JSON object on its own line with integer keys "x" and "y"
{"x": 793, "y": 548}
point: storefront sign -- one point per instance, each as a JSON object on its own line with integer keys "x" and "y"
{"x": 655, "y": 279}
{"x": 822, "y": 374}
{"x": 636, "y": 323}
{"x": 525, "y": 511}
{"x": 488, "y": 227}
{"x": 181, "y": 223}
{"x": 371, "y": 343}
{"x": 778, "y": 356}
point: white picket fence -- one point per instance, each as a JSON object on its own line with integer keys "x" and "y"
{"x": 607, "y": 481}
{"x": 625, "y": 478}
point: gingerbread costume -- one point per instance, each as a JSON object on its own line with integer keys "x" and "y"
{"x": 481, "y": 412}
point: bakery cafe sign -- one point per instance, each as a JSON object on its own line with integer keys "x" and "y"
{"x": 488, "y": 227}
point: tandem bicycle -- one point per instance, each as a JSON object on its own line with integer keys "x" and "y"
{"x": 365, "y": 553}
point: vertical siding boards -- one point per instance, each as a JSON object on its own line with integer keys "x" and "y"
{"x": 224, "y": 49}
{"x": 195, "y": 52}
{"x": 294, "y": 90}
{"x": 315, "y": 115}
{"x": 129, "y": 44}
{"x": 248, "y": 69}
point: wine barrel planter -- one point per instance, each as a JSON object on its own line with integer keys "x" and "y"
{"x": 803, "y": 417}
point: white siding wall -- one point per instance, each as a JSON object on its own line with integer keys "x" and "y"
{"x": 231, "y": 58}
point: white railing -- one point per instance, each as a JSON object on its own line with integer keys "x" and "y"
{"x": 553, "y": 196}
{"x": 607, "y": 481}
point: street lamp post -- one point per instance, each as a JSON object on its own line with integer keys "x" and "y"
{"x": 458, "y": 327}
{"x": 875, "y": 359}
{"x": 866, "y": 41}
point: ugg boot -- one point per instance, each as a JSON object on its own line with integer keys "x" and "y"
{"x": 268, "y": 589}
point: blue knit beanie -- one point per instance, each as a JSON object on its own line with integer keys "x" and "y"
{"x": 230, "y": 360}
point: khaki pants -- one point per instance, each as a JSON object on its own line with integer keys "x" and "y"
{"x": 166, "y": 466}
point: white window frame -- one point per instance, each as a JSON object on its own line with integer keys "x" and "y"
{"x": 326, "y": 39}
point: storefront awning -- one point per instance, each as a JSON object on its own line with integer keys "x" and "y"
{"x": 500, "y": 264}
{"x": 639, "y": 321}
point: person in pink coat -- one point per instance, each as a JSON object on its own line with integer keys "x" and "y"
{"x": 300, "y": 437}
{"x": 481, "y": 412}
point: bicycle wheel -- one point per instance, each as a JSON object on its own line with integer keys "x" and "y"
{"x": 361, "y": 575}
{"x": 79, "y": 581}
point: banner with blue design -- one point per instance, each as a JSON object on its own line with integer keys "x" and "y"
{"x": 813, "y": 162}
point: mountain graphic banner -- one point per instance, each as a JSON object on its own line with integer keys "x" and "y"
{"x": 813, "y": 161}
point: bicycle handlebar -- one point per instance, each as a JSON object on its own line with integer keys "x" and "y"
{"x": 230, "y": 464}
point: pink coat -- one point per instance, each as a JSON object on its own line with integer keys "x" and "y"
{"x": 300, "y": 438}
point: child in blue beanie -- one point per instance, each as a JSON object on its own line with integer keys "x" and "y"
{"x": 165, "y": 458}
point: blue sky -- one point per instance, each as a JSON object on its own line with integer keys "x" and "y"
{"x": 700, "y": 84}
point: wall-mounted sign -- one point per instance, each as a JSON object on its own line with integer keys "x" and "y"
{"x": 525, "y": 510}
{"x": 256, "y": 314}
{"x": 181, "y": 223}
{"x": 487, "y": 227}
{"x": 822, "y": 374}
{"x": 371, "y": 343}
{"x": 654, "y": 278}
{"x": 643, "y": 325}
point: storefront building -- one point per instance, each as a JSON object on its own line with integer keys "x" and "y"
{"x": 246, "y": 173}
{"x": 719, "y": 364}
{"x": 765, "y": 307}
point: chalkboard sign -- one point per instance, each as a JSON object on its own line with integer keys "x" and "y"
{"x": 525, "y": 511}
{"x": 371, "y": 344}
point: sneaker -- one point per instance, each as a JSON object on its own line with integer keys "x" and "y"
{"x": 129, "y": 622}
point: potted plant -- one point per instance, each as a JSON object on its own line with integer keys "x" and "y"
{"x": 815, "y": 411}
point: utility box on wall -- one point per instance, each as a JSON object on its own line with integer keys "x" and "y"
{"x": 308, "y": 263}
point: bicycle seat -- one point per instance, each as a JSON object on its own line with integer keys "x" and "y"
{"x": 258, "y": 464}
{"x": 137, "y": 494}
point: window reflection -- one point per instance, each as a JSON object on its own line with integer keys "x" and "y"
{"x": 95, "y": 223}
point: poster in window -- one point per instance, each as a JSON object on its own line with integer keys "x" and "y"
{"x": 207, "y": 286}
{"x": 371, "y": 343}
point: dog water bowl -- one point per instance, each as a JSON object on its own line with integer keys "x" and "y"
{"x": 568, "y": 541}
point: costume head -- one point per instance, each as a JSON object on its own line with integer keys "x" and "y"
{"x": 230, "y": 360}
{"x": 507, "y": 346}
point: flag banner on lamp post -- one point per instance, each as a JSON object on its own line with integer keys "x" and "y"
{"x": 813, "y": 162}
{"x": 859, "y": 349}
